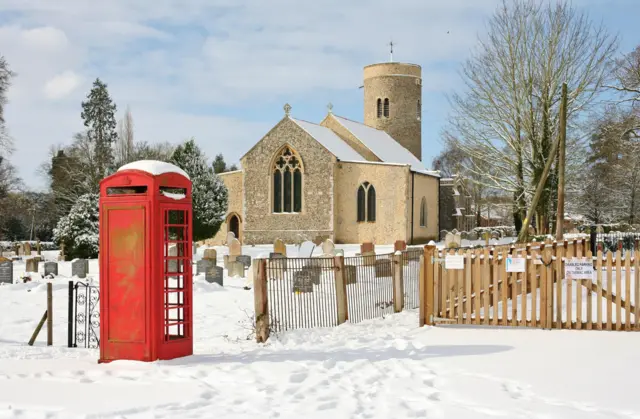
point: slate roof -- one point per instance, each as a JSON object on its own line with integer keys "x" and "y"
{"x": 330, "y": 140}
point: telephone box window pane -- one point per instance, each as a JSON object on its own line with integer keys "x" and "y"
{"x": 176, "y": 233}
{"x": 176, "y": 217}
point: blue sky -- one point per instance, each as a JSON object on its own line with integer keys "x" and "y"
{"x": 221, "y": 70}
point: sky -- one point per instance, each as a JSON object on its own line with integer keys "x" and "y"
{"x": 221, "y": 70}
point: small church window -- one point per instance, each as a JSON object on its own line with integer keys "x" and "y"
{"x": 287, "y": 182}
{"x": 418, "y": 109}
{"x": 386, "y": 107}
{"x": 366, "y": 202}
{"x": 379, "y": 108}
{"x": 423, "y": 212}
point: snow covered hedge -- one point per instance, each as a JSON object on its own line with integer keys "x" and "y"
{"x": 78, "y": 230}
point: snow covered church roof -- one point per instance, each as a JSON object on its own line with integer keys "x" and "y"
{"x": 383, "y": 145}
{"x": 330, "y": 140}
{"x": 154, "y": 167}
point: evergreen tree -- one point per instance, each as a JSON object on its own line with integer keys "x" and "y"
{"x": 78, "y": 230}
{"x": 219, "y": 165}
{"x": 209, "y": 195}
{"x": 98, "y": 113}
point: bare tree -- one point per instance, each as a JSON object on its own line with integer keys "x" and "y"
{"x": 508, "y": 117}
{"x": 6, "y": 144}
{"x": 627, "y": 74}
{"x": 124, "y": 146}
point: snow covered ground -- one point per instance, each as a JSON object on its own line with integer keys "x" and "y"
{"x": 385, "y": 368}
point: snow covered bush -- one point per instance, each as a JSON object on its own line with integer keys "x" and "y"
{"x": 78, "y": 230}
{"x": 209, "y": 195}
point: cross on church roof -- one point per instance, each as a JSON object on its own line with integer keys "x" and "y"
{"x": 287, "y": 109}
{"x": 330, "y": 107}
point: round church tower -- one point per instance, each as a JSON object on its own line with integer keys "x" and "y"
{"x": 393, "y": 102}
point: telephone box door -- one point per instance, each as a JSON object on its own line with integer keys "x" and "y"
{"x": 127, "y": 290}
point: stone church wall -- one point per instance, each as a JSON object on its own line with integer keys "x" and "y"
{"x": 425, "y": 186}
{"x": 233, "y": 182}
{"x": 391, "y": 183}
{"x": 261, "y": 225}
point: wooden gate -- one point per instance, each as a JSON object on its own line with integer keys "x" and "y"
{"x": 475, "y": 288}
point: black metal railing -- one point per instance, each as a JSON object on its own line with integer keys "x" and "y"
{"x": 83, "y": 327}
{"x": 411, "y": 277}
{"x": 369, "y": 283}
{"x": 301, "y": 293}
{"x": 611, "y": 242}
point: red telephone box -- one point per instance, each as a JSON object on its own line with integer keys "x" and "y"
{"x": 146, "y": 282}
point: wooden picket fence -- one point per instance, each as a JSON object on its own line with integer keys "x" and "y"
{"x": 484, "y": 293}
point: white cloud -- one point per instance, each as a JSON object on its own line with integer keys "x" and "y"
{"x": 61, "y": 85}
{"x": 219, "y": 71}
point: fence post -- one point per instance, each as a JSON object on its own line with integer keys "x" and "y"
{"x": 49, "y": 314}
{"x": 398, "y": 288}
{"x": 261, "y": 301}
{"x": 70, "y": 317}
{"x": 341, "y": 290}
{"x": 426, "y": 286}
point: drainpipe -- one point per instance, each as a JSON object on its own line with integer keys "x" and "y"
{"x": 413, "y": 175}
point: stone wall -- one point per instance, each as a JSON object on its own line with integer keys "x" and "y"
{"x": 261, "y": 225}
{"x": 425, "y": 186}
{"x": 234, "y": 183}
{"x": 391, "y": 183}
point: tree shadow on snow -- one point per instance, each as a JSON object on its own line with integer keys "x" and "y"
{"x": 344, "y": 355}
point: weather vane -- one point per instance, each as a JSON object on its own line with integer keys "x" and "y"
{"x": 391, "y": 51}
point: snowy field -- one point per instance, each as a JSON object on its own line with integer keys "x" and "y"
{"x": 385, "y": 368}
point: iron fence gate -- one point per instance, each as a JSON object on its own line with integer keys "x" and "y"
{"x": 84, "y": 315}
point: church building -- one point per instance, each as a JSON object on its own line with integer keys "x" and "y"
{"x": 349, "y": 181}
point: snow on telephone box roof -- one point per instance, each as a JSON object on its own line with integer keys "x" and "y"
{"x": 154, "y": 167}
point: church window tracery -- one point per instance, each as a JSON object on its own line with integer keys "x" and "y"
{"x": 287, "y": 182}
{"x": 366, "y": 202}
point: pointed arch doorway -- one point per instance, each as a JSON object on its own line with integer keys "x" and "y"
{"x": 234, "y": 224}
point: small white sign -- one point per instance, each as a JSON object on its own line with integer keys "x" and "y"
{"x": 516, "y": 264}
{"x": 454, "y": 262}
{"x": 578, "y": 269}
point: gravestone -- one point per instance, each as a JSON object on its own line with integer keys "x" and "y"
{"x": 443, "y": 234}
{"x": 230, "y": 236}
{"x": 245, "y": 260}
{"x": 400, "y": 245}
{"x": 473, "y": 236}
{"x": 204, "y": 265}
{"x": 452, "y": 240}
{"x": 495, "y": 234}
{"x": 214, "y": 275}
{"x": 27, "y": 249}
{"x": 279, "y": 247}
{"x": 302, "y": 281}
{"x": 210, "y": 254}
{"x": 368, "y": 252}
{"x": 328, "y": 248}
{"x": 39, "y": 248}
{"x": 51, "y": 268}
{"x": 79, "y": 268}
{"x": 350, "y": 274}
{"x": 314, "y": 267}
{"x": 367, "y": 247}
{"x": 383, "y": 268}
{"x": 6, "y": 271}
{"x": 20, "y": 249}
{"x": 306, "y": 249}
{"x": 464, "y": 235}
{"x": 31, "y": 265}
{"x": 61, "y": 255}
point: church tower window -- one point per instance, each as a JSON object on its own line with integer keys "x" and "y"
{"x": 366, "y": 202}
{"x": 287, "y": 182}
{"x": 386, "y": 107}
{"x": 418, "y": 109}
{"x": 379, "y": 108}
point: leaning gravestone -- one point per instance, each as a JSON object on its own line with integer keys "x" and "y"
{"x": 32, "y": 265}
{"x": 234, "y": 267}
{"x": 230, "y": 236}
{"x": 279, "y": 247}
{"x": 328, "y": 248}
{"x": 350, "y": 274}
{"x": 79, "y": 268}
{"x": 6, "y": 271}
{"x": 204, "y": 265}
{"x": 27, "y": 249}
{"x": 245, "y": 260}
{"x": 306, "y": 249}
{"x": 51, "y": 268}
{"x": 214, "y": 275}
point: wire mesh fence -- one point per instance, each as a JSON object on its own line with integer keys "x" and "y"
{"x": 369, "y": 283}
{"x": 301, "y": 293}
{"x": 411, "y": 276}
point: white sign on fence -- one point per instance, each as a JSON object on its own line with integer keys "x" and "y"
{"x": 454, "y": 262}
{"x": 578, "y": 269}
{"x": 516, "y": 264}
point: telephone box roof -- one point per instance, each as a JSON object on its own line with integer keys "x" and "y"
{"x": 154, "y": 167}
